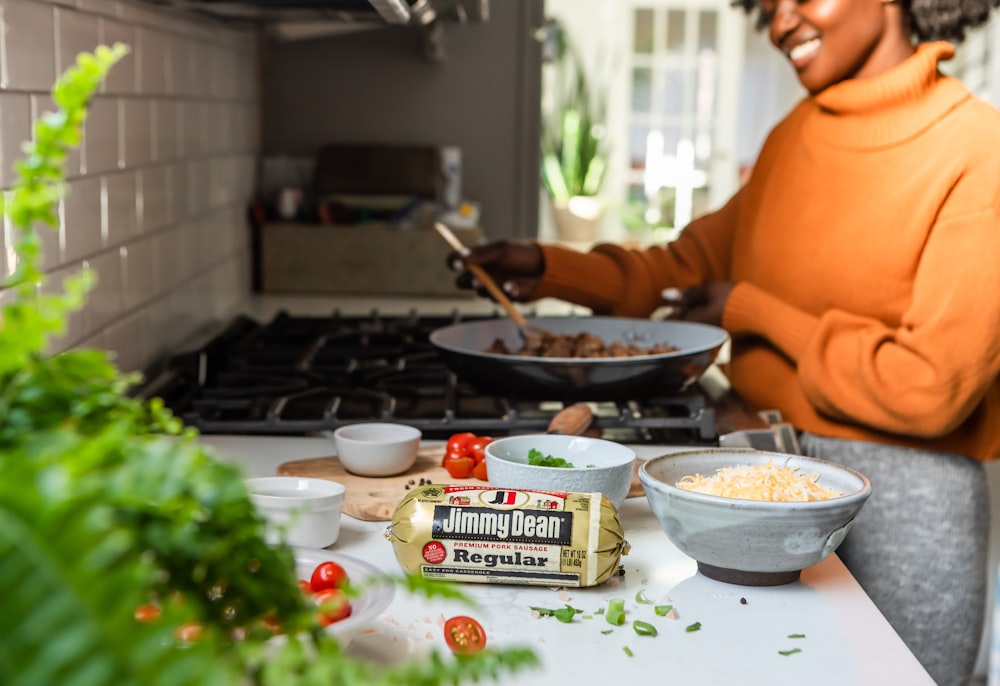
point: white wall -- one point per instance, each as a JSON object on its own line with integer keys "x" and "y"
{"x": 158, "y": 191}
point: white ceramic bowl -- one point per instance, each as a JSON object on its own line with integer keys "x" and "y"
{"x": 300, "y": 511}
{"x": 599, "y": 466}
{"x": 374, "y": 597}
{"x": 751, "y": 542}
{"x": 377, "y": 448}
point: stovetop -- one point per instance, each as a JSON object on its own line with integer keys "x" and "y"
{"x": 302, "y": 375}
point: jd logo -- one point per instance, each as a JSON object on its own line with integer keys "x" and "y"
{"x": 504, "y": 499}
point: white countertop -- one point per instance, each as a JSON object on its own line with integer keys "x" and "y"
{"x": 846, "y": 640}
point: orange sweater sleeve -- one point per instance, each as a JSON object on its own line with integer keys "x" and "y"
{"x": 616, "y": 281}
{"x": 922, "y": 377}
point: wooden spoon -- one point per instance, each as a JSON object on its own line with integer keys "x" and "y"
{"x": 528, "y": 333}
{"x": 572, "y": 421}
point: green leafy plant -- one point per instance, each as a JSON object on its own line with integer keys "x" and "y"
{"x": 574, "y": 157}
{"x": 107, "y": 503}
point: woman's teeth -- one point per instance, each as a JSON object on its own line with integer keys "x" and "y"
{"x": 803, "y": 50}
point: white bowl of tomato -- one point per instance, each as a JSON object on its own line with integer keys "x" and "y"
{"x": 323, "y": 575}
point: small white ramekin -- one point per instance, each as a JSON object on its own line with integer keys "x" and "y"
{"x": 301, "y": 511}
{"x": 377, "y": 448}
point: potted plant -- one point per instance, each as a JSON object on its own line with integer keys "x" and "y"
{"x": 109, "y": 506}
{"x": 573, "y": 146}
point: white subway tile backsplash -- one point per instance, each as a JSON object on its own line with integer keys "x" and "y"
{"x": 106, "y": 301}
{"x": 100, "y": 138}
{"x": 156, "y": 201}
{"x": 125, "y": 341}
{"x": 138, "y": 142}
{"x": 139, "y": 273}
{"x": 181, "y": 198}
{"x": 120, "y": 220}
{"x": 15, "y": 128}
{"x": 82, "y": 222}
{"x": 155, "y": 61}
{"x": 76, "y": 32}
{"x": 157, "y": 207}
{"x": 29, "y": 59}
{"x": 122, "y": 77}
{"x": 198, "y": 179}
{"x": 103, "y": 7}
{"x": 165, "y": 130}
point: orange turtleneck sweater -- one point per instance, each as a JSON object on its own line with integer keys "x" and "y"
{"x": 865, "y": 253}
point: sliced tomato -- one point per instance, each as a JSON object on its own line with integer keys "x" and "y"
{"x": 327, "y": 574}
{"x": 464, "y": 635}
{"x": 459, "y": 467}
{"x": 477, "y": 447}
{"x": 334, "y": 605}
{"x": 459, "y": 443}
{"x": 480, "y": 471}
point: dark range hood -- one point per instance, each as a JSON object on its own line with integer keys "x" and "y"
{"x": 376, "y": 12}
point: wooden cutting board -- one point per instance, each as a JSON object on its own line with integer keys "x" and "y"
{"x": 375, "y": 499}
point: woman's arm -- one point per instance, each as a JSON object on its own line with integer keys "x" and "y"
{"x": 920, "y": 378}
{"x": 613, "y": 280}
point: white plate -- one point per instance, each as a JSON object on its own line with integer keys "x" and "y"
{"x": 364, "y": 608}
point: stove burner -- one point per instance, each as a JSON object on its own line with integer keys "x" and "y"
{"x": 300, "y": 375}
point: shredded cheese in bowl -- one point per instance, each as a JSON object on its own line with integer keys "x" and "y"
{"x": 767, "y": 481}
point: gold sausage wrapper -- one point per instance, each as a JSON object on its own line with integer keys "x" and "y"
{"x": 507, "y": 536}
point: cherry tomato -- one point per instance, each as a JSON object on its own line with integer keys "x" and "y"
{"x": 334, "y": 605}
{"x": 458, "y": 443}
{"x": 453, "y": 455}
{"x": 464, "y": 635}
{"x": 460, "y": 467}
{"x": 147, "y": 613}
{"x": 305, "y": 586}
{"x": 327, "y": 574}
{"x": 477, "y": 446}
{"x": 189, "y": 632}
{"x": 480, "y": 471}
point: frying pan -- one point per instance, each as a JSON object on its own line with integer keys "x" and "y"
{"x": 463, "y": 347}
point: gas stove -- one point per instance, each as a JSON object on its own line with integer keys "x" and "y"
{"x": 297, "y": 375}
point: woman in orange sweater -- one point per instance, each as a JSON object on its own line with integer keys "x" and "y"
{"x": 858, "y": 272}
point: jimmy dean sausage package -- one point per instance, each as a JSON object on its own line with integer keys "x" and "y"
{"x": 489, "y": 535}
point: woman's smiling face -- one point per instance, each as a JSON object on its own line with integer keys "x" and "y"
{"x": 828, "y": 41}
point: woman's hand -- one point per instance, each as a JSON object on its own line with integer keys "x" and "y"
{"x": 516, "y": 267}
{"x": 703, "y": 303}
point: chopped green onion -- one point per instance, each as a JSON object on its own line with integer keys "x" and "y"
{"x": 616, "y": 612}
{"x": 608, "y": 631}
{"x": 644, "y": 628}
{"x": 796, "y": 635}
{"x": 563, "y": 614}
{"x": 786, "y": 653}
{"x": 628, "y": 651}
{"x": 693, "y": 627}
{"x": 663, "y": 610}
{"x": 640, "y": 597}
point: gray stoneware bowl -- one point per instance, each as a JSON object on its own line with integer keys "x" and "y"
{"x": 751, "y": 542}
{"x": 599, "y": 466}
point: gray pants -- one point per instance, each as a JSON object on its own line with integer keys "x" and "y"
{"x": 919, "y": 547}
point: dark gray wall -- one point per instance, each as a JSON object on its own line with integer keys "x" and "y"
{"x": 378, "y": 86}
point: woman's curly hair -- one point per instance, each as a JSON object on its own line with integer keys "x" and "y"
{"x": 929, "y": 19}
